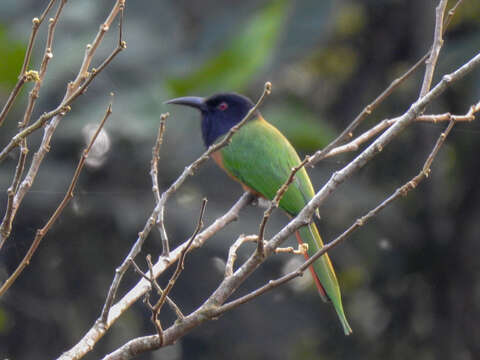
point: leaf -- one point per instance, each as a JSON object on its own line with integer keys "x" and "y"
{"x": 11, "y": 60}
{"x": 242, "y": 59}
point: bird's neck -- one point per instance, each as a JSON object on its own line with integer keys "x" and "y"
{"x": 213, "y": 130}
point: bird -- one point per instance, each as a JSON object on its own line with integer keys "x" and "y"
{"x": 261, "y": 159}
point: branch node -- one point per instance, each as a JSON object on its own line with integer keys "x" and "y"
{"x": 32, "y": 75}
{"x": 268, "y": 88}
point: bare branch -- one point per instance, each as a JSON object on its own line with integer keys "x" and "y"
{"x": 24, "y": 75}
{"x": 436, "y": 47}
{"x": 154, "y": 285}
{"x": 55, "y": 117}
{"x": 301, "y": 250}
{"x": 180, "y": 266}
{"x": 68, "y": 196}
{"x": 354, "y": 145}
{"x": 347, "y": 133}
{"x": 401, "y": 191}
{"x": 274, "y": 203}
{"x": 96, "y": 332}
{"x": 189, "y": 170}
{"x": 155, "y": 187}
{"x": 74, "y": 88}
{"x": 157, "y": 215}
{"x": 47, "y": 56}
{"x": 232, "y": 252}
{"x": 6, "y": 226}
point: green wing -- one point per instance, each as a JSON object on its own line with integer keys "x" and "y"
{"x": 262, "y": 158}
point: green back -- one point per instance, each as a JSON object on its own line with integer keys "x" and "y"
{"x": 262, "y": 158}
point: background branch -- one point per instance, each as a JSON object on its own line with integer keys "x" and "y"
{"x": 214, "y": 305}
{"x": 40, "y": 234}
{"x": 333, "y": 79}
{"x": 73, "y": 90}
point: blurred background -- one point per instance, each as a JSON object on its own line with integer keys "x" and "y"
{"x": 410, "y": 279}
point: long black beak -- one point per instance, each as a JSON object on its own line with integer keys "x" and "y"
{"x": 192, "y": 101}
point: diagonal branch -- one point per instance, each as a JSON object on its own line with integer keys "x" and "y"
{"x": 355, "y": 144}
{"x": 436, "y": 47}
{"x": 25, "y": 76}
{"x": 180, "y": 266}
{"x": 55, "y": 116}
{"x": 96, "y": 332}
{"x": 210, "y": 308}
{"x": 68, "y": 196}
{"x": 154, "y": 175}
{"x": 348, "y": 131}
{"x": 401, "y": 191}
{"x": 189, "y": 170}
{"x": 159, "y": 210}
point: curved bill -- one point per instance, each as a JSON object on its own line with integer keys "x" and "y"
{"x": 192, "y": 101}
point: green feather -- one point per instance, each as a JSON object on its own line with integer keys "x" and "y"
{"x": 262, "y": 158}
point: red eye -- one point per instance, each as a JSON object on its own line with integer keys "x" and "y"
{"x": 222, "y": 106}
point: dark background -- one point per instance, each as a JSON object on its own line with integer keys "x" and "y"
{"x": 410, "y": 279}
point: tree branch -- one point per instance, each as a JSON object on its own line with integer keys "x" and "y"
{"x": 216, "y": 305}
{"x": 25, "y": 76}
{"x": 55, "y": 116}
{"x": 436, "y": 47}
{"x": 96, "y": 332}
{"x": 68, "y": 196}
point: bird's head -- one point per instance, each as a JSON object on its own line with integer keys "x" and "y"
{"x": 220, "y": 112}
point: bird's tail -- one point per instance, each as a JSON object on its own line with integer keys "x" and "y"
{"x": 323, "y": 273}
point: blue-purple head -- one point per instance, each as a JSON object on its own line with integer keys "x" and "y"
{"x": 220, "y": 112}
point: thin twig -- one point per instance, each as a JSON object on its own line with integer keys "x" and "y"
{"x": 301, "y": 250}
{"x": 347, "y": 133}
{"x": 76, "y": 87}
{"x": 47, "y": 56}
{"x": 210, "y": 308}
{"x": 55, "y": 116}
{"x": 180, "y": 266}
{"x": 154, "y": 285}
{"x": 96, "y": 332}
{"x": 436, "y": 47}
{"x": 6, "y": 226}
{"x": 68, "y": 196}
{"x": 154, "y": 176}
{"x": 275, "y": 202}
{"x": 401, "y": 191}
{"x": 232, "y": 252}
{"x": 189, "y": 170}
{"x": 158, "y": 212}
{"x": 24, "y": 75}
{"x": 355, "y": 144}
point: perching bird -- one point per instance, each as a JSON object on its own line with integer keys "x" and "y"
{"x": 261, "y": 159}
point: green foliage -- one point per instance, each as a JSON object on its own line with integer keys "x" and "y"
{"x": 469, "y": 12}
{"x": 337, "y": 62}
{"x": 11, "y": 59}
{"x": 248, "y": 52}
{"x": 3, "y": 321}
{"x": 303, "y": 129}
{"x": 350, "y": 20}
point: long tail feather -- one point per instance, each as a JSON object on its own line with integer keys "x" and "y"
{"x": 324, "y": 277}
{"x": 318, "y": 284}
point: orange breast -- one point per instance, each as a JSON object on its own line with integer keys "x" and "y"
{"x": 217, "y": 157}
